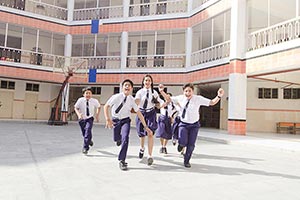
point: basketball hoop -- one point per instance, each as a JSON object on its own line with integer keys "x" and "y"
{"x": 71, "y": 66}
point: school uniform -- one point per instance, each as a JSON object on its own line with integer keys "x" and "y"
{"x": 121, "y": 106}
{"x": 87, "y": 108}
{"x": 164, "y": 129}
{"x": 147, "y": 108}
{"x": 189, "y": 124}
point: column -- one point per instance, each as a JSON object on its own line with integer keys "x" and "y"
{"x": 126, "y": 8}
{"x": 124, "y": 49}
{"x": 188, "y": 46}
{"x": 237, "y": 101}
{"x": 70, "y": 7}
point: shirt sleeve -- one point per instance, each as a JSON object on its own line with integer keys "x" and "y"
{"x": 138, "y": 94}
{"x": 204, "y": 101}
{"x": 76, "y": 105}
{"x": 111, "y": 100}
{"x": 133, "y": 104}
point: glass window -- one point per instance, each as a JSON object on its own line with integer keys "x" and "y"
{"x": 2, "y": 33}
{"x": 58, "y": 45}
{"x": 206, "y": 34}
{"x": 197, "y": 34}
{"x": 258, "y": 15}
{"x": 45, "y": 42}
{"x": 280, "y": 11}
{"x": 29, "y": 39}
{"x": 101, "y": 47}
{"x": 176, "y": 43}
{"x": 114, "y": 45}
{"x": 77, "y": 45}
{"x": 14, "y": 36}
{"x": 218, "y": 34}
{"x": 89, "y": 45}
{"x": 227, "y": 25}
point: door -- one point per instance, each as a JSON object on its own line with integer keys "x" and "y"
{"x": 30, "y": 109}
{"x": 6, "y": 104}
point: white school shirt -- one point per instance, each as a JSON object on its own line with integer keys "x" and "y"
{"x": 142, "y": 94}
{"x": 192, "y": 112}
{"x": 171, "y": 110}
{"x": 81, "y": 106}
{"x": 115, "y": 100}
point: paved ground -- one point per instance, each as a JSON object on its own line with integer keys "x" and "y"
{"x": 41, "y": 162}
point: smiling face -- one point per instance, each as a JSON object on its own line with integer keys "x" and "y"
{"x": 127, "y": 88}
{"x": 188, "y": 92}
{"x": 87, "y": 94}
{"x": 147, "y": 82}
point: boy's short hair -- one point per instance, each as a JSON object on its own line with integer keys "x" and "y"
{"x": 190, "y": 85}
{"x": 88, "y": 88}
{"x": 129, "y": 81}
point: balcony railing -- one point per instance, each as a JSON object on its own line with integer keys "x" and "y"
{"x": 156, "y": 61}
{"x": 276, "y": 34}
{"x": 103, "y": 62}
{"x": 209, "y": 54}
{"x": 46, "y": 9}
{"x": 158, "y": 8}
{"x": 98, "y": 13}
{"x": 45, "y": 61}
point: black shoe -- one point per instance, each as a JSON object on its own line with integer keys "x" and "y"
{"x": 161, "y": 150}
{"x": 179, "y": 148}
{"x": 141, "y": 153}
{"x": 174, "y": 142}
{"x": 165, "y": 150}
{"x": 150, "y": 161}
{"x": 85, "y": 151}
{"x": 187, "y": 165}
{"x": 119, "y": 142}
{"x": 123, "y": 165}
{"x": 91, "y": 143}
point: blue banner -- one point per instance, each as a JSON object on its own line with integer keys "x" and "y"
{"x": 95, "y": 26}
{"x": 92, "y": 75}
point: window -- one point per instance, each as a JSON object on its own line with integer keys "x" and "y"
{"x": 160, "y": 50}
{"x": 116, "y": 90}
{"x": 96, "y": 90}
{"x": 161, "y": 8}
{"x": 142, "y": 50}
{"x": 145, "y": 7}
{"x": 32, "y": 87}
{"x": 128, "y": 54}
{"x": 291, "y": 93}
{"x": 268, "y": 93}
{"x": 8, "y": 85}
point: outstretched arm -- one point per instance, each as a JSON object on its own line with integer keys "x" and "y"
{"x": 109, "y": 122}
{"x": 162, "y": 92}
{"x": 217, "y": 98}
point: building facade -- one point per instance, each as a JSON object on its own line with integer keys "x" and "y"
{"x": 248, "y": 47}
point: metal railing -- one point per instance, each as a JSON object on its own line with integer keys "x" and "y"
{"x": 46, "y": 9}
{"x": 103, "y": 62}
{"x": 46, "y": 61}
{"x": 279, "y": 33}
{"x": 209, "y": 54}
{"x": 98, "y": 13}
{"x": 156, "y": 61}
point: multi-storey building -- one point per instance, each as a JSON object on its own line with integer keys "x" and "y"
{"x": 248, "y": 47}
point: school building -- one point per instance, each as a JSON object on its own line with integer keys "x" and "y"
{"x": 248, "y": 47}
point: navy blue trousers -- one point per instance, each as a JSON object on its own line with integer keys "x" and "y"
{"x": 86, "y": 126}
{"x": 121, "y": 133}
{"x": 187, "y": 136}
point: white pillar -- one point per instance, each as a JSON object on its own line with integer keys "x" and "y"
{"x": 68, "y": 45}
{"x": 237, "y": 94}
{"x": 188, "y": 46}
{"x": 238, "y": 33}
{"x": 190, "y": 6}
{"x": 65, "y": 98}
{"x": 70, "y": 7}
{"x": 126, "y": 8}
{"x": 124, "y": 49}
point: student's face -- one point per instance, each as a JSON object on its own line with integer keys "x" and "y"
{"x": 188, "y": 92}
{"x": 147, "y": 82}
{"x": 87, "y": 94}
{"x": 127, "y": 88}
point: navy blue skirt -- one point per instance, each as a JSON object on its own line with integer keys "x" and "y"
{"x": 164, "y": 127}
{"x": 150, "y": 118}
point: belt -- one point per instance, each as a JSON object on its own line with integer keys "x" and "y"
{"x": 147, "y": 110}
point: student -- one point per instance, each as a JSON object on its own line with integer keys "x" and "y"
{"x": 86, "y": 108}
{"x": 121, "y": 105}
{"x": 189, "y": 117}
{"x": 164, "y": 130}
{"x": 146, "y": 98}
